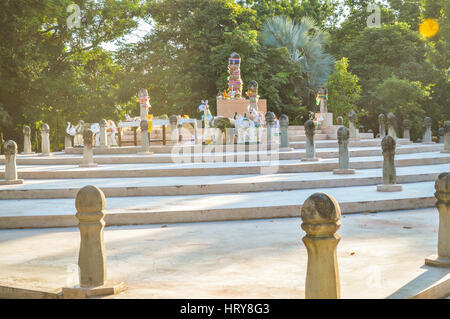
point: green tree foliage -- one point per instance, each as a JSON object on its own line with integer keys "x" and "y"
{"x": 343, "y": 90}
{"x": 404, "y": 98}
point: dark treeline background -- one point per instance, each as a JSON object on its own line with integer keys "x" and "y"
{"x": 52, "y": 73}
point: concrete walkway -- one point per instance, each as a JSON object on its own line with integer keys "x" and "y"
{"x": 380, "y": 256}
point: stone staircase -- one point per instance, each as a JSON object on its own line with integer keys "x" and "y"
{"x": 175, "y": 184}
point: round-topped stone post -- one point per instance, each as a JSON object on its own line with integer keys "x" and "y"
{"x": 27, "y": 141}
{"x": 45, "y": 140}
{"x": 270, "y": 122}
{"x": 352, "y": 125}
{"x": 392, "y": 124}
{"x": 103, "y": 139}
{"x": 442, "y": 194}
{"x": 145, "y": 145}
{"x": 320, "y": 220}
{"x": 10, "y": 149}
{"x": 446, "y": 137}
{"x": 339, "y": 121}
{"x": 310, "y": 149}
{"x": 284, "y": 133}
{"x": 406, "y": 126}
{"x": 427, "y": 138}
{"x": 173, "y": 121}
{"x": 441, "y": 135}
{"x": 90, "y": 204}
{"x": 343, "y": 136}
{"x": 382, "y": 128}
{"x": 88, "y": 149}
{"x": 67, "y": 141}
{"x": 361, "y": 129}
{"x": 389, "y": 172}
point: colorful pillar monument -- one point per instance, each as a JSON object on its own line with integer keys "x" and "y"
{"x": 234, "y": 79}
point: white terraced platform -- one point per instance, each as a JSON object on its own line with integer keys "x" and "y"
{"x": 239, "y": 184}
{"x": 379, "y": 256}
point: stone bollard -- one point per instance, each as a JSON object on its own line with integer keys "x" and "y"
{"x": 340, "y": 121}
{"x": 446, "y": 137}
{"x": 45, "y": 143}
{"x": 173, "y": 121}
{"x": 145, "y": 145}
{"x": 309, "y": 147}
{"x": 343, "y": 136}
{"x": 427, "y": 138}
{"x": 27, "y": 141}
{"x": 441, "y": 135}
{"x": 270, "y": 122}
{"x": 103, "y": 139}
{"x": 67, "y": 141}
{"x": 352, "y": 125}
{"x": 389, "y": 173}
{"x": 88, "y": 151}
{"x": 392, "y": 124}
{"x": 406, "y": 126}
{"x": 361, "y": 129}
{"x": 90, "y": 204}
{"x": 10, "y": 149}
{"x": 284, "y": 133}
{"x": 320, "y": 220}
{"x": 442, "y": 194}
{"x": 382, "y": 128}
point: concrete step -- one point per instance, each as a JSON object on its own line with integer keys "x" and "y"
{"x": 216, "y": 155}
{"x": 269, "y": 166}
{"x": 42, "y": 213}
{"x": 171, "y": 186}
{"x": 353, "y": 143}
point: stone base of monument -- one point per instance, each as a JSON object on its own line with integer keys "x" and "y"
{"x": 11, "y": 182}
{"x": 389, "y": 188}
{"x": 286, "y": 149}
{"x": 327, "y": 119}
{"x": 144, "y": 153}
{"x": 45, "y": 154}
{"x": 109, "y": 288}
{"x": 312, "y": 159}
{"x": 88, "y": 165}
{"x": 343, "y": 171}
{"x": 28, "y": 153}
{"x": 435, "y": 260}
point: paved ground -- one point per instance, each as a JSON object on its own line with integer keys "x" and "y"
{"x": 380, "y": 255}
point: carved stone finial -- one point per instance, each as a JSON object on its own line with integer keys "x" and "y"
{"x": 309, "y": 128}
{"x": 270, "y": 118}
{"x": 10, "y": 148}
{"x": 45, "y": 128}
{"x": 284, "y": 121}
{"x": 388, "y": 144}
{"x": 392, "y": 119}
{"x": 26, "y": 130}
{"x": 321, "y": 219}
{"x": 144, "y": 125}
{"x": 343, "y": 134}
{"x": 88, "y": 137}
{"x": 173, "y": 120}
{"x": 253, "y": 85}
{"x": 340, "y": 120}
{"x": 427, "y": 122}
{"x": 90, "y": 199}
{"x": 381, "y": 118}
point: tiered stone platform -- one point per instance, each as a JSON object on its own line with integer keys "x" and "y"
{"x": 173, "y": 257}
{"x": 178, "y": 185}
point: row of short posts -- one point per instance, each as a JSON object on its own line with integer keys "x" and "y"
{"x": 320, "y": 216}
